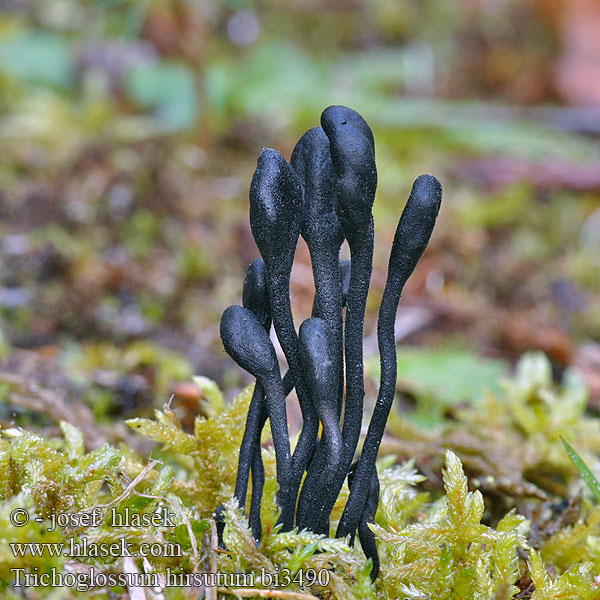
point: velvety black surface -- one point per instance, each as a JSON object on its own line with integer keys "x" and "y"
{"x": 353, "y": 157}
{"x": 248, "y": 343}
{"x": 412, "y": 236}
{"x": 311, "y": 159}
{"x": 325, "y": 194}
{"x": 319, "y": 360}
{"x": 275, "y": 216}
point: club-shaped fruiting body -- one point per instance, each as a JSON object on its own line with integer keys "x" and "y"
{"x": 326, "y": 194}
{"x": 411, "y": 238}
{"x": 275, "y": 213}
{"x": 353, "y": 156}
{"x": 311, "y": 159}
{"x": 320, "y": 364}
{"x": 247, "y": 342}
{"x": 255, "y": 298}
{"x": 275, "y": 205}
{"x": 255, "y": 294}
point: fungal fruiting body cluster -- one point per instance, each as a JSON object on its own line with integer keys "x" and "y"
{"x": 325, "y": 194}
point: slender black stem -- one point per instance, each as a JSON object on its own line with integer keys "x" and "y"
{"x": 344, "y": 267}
{"x": 255, "y": 297}
{"x": 412, "y": 236}
{"x": 275, "y": 206}
{"x": 284, "y": 327}
{"x": 258, "y": 482}
{"x": 353, "y": 157}
{"x": 247, "y": 342}
{"x": 257, "y": 414}
{"x": 311, "y": 159}
{"x": 258, "y": 479}
{"x": 317, "y": 352}
{"x": 366, "y": 536}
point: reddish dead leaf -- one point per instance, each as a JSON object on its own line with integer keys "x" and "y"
{"x": 578, "y": 69}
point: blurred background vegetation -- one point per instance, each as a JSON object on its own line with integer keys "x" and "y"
{"x": 129, "y": 132}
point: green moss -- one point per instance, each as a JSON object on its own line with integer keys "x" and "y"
{"x": 444, "y": 543}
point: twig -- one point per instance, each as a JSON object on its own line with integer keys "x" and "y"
{"x": 211, "y": 591}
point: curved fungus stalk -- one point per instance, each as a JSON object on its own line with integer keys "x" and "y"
{"x": 255, "y": 297}
{"x": 275, "y": 213}
{"x": 326, "y": 194}
{"x": 247, "y": 342}
{"x": 353, "y": 156}
{"x": 411, "y": 239}
{"x": 317, "y": 352}
{"x": 365, "y": 535}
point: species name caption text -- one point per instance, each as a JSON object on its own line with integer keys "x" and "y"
{"x": 82, "y": 582}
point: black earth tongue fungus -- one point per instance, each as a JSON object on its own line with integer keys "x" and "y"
{"x": 335, "y": 162}
{"x": 255, "y": 297}
{"x": 365, "y": 534}
{"x": 353, "y": 156}
{"x": 321, "y": 369}
{"x": 247, "y": 342}
{"x": 258, "y": 483}
{"x": 412, "y": 236}
{"x": 258, "y": 479}
{"x": 311, "y": 159}
{"x": 275, "y": 212}
{"x": 345, "y": 280}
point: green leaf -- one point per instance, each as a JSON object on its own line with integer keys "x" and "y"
{"x": 168, "y": 89}
{"x": 585, "y": 472}
{"x": 443, "y": 377}
{"x": 38, "y": 57}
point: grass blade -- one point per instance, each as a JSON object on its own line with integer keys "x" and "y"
{"x": 585, "y": 472}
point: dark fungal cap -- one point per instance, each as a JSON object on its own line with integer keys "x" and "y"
{"x": 427, "y": 193}
{"x": 339, "y": 116}
{"x": 353, "y": 157}
{"x": 275, "y": 205}
{"x": 312, "y": 147}
{"x": 276, "y": 184}
{"x": 311, "y": 160}
{"x": 247, "y": 342}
